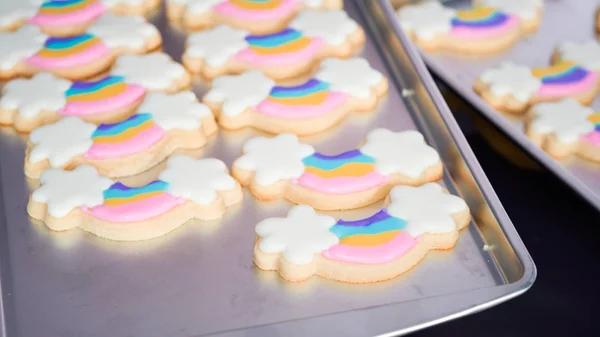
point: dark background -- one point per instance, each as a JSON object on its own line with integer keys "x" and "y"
{"x": 561, "y": 232}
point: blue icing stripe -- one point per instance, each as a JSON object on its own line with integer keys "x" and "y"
{"x": 87, "y": 87}
{"x": 305, "y": 89}
{"x": 389, "y": 224}
{"x": 121, "y": 191}
{"x": 327, "y": 165}
{"x": 66, "y": 42}
{"x": 273, "y": 40}
{"x": 574, "y": 74}
{"x": 117, "y": 128}
{"x": 494, "y": 20}
{"x": 61, "y": 3}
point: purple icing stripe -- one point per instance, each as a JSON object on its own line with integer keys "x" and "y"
{"x": 574, "y": 74}
{"x": 379, "y": 216}
{"x": 495, "y": 19}
{"x": 344, "y": 155}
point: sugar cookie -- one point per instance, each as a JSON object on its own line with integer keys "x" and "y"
{"x": 187, "y": 189}
{"x": 585, "y": 54}
{"x": 513, "y": 88}
{"x": 28, "y": 51}
{"x": 65, "y": 17}
{"x": 565, "y": 127}
{"x": 283, "y": 167}
{"x": 529, "y": 11}
{"x": 252, "y": 99}
{"x": 162, "y": 124}
{"x": 481, "y": 30}
{"x": 28, "y": 103}
{"x": 377, "y": 248}
{"x": 155, "y": 71}
{"x": 310, "y": 37}
{"x": 256, "y": 17}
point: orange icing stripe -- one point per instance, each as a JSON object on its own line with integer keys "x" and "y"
{"x": 59, "y": 53}
{"x": 552, "y": 70}
{"x": 594, "y": 118}
{"x": 254, "y": 5}
{"x": 316, "y": 98}
{"x": 130, "y": 200}
{"x": 106, "y": 92}
{"x": 125, "y": 136}
{"x": 291, "y": 47}
{"x": 369, "y": 240}
{"x": 347, "y": 170}
{"x": 64, "y": 9}
{"x": 475, "y": 14}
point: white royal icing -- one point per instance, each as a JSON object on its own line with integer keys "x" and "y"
{"x": 400, "y": 152}
{"x": 238, "y": 92}
{"x": 586, "y": 54}
{"x": 274, "y": 159}
{"x": 197, "y": 6}
{"x": 113, "y": 3}
{"x": 426, "y": 20}
{"x": 426, "y": 209}
{"x": 351, "y": 76}
{"x": 123, "y": 31}
{"x": 62, "y": 141}
{"x": 216, "y": 46}
{"x": 18, "y": 45}
{"x": 525, "y": 9}
{"x": 177, "y": 111}
{"x": 197, "y": 180}
{"x": 567, "y": 119}
{"x": 332, "y": 26}
{"x": 155, "y": 71}
{"x": 312, "y": 3}
{"x": 42, "y": 92}
{"x": 12, "y": 11}
{"x": 511, "y": 79}
{"x": 63, "y": 190}
{"x": 299, "y": 236}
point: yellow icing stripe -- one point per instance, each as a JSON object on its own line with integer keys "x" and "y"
{"x": 290, "y": 47}
{"x": 64, "y": 9}
{"x": 369, "y": 240}
{"x": 256, "y": 5}
{"x": 124, "y": 136}
{"x": 109, "y": 91}
{"x": 552, "y": 70}
{"x": 474, "y": 14}
{"x": 49, "y": 53}
{"x": 312, "y": 99}
{"x": 124, "y": 201}
{"x": 594, "y": 118}
{"x": 347, "y": 170}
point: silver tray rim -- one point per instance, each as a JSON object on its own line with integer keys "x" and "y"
{"x": 378, "y": 320}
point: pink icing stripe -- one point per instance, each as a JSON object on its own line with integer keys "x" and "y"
{"x": 138, "y": 144}
{"x": 341, "y": 185}
{"x": 593, "y": 138}
{"x": 88, "y": 13}
{"x": 90, "y": 55}
{"x": 279, "y": 110}
{"x": 392, "y": 250}
{"x": 137, "y": 211}
{"x": 478, "y": 33}
{"x": 556, "y": 90}
{"x": 133, "y": 93}
{"x": 249, "y": 56}
{"x": 226, "y": 8}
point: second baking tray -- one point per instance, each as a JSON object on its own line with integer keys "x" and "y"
{"x": 562, "y": 20}
{"x": 200, "y": 279}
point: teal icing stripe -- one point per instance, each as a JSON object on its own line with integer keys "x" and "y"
{"x": 117, "y": 128}
{"x": 329, "y": 165}
{"x": 389, "y": 224}
{"x": 155, "y": 186}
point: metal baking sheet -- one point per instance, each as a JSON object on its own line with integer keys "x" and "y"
{"x": 200, "y": 279}
{"x": 562, "y": 20}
